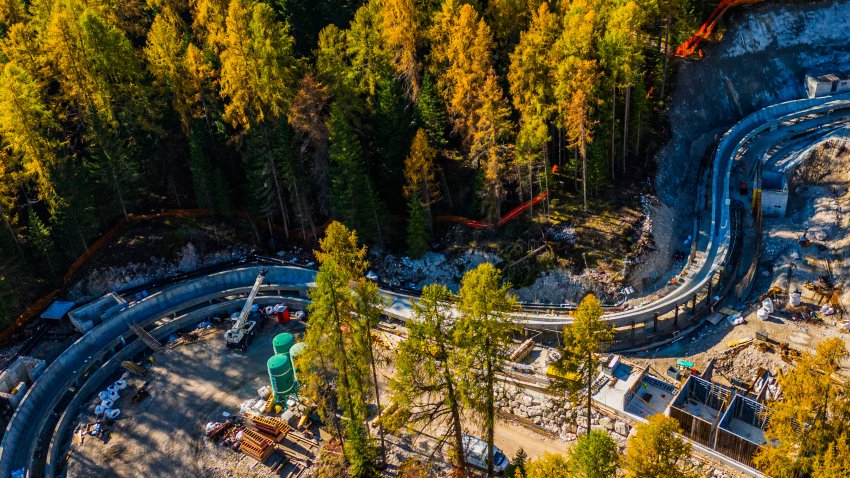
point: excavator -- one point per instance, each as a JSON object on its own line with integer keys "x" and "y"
{"x": 243, "y": 330}
{"x": 690, "y": 49}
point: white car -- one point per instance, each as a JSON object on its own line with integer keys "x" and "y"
{"x": 475, "y": 450}
{"x": 372, "y": 276}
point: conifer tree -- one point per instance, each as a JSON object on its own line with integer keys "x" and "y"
{"x": 426, "y": 388}
{"x": 39, "y": 236}
{"x": 417, "y": 229}
{"x": 593, "y": 456}
{"x": 582, "y": 340}
{"x": 657, "y": 450}
{"x": 420, "y": 182}
{"x": 354, "y": 198}
{"x": 483, "y": 333}
{"x": 401, "y": 36}
{"x": 337, "y": 347}
{"x": 431, "y": 114}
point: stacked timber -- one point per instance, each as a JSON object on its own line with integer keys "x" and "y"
{"x": 256, "y": 445}
{"x": 271, "y": 426}
{"x": 522, "y": 351}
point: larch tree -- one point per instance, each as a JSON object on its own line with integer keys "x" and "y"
{"x": 530, "y": 76}
{"x": 483, "y": 334}
{"x": 425, "y": 389}
{"x": 336, "y": 351}
{"x": 420, "y": 174}
{"x": 550, "y": 465}
{"x": 27, "y": 127}
{"x": 401, "y": 32}
{"x": 165, "y": 52}
{"x": 582, "y": 340}
{"x": 810, "y": 420}
{"x": 658, "y": 450}
{"x": 594, "y": 455}
{"x": 621, "y": 51}
{"x": 307, "y": 114}
{"x": 209, "y": 23}
{"x": 258, "y": 73}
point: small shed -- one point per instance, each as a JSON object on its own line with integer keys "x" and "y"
{"x": 774, "y": 193}
{"x": 825, "y": 85}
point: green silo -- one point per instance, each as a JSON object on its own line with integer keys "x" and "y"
{"x": 281, "y": 376}
{"x": 282, "y": 343}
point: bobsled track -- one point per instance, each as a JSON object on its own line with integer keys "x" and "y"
{"x": 38, "y": 430}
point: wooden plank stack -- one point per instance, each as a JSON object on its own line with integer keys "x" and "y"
{"x": 258, "y": 450}
{"x": 271, "y": 426}
{"x": 522, "y": 351}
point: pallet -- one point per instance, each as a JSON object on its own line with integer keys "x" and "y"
{"x": 257, "y": 452}
{"x": 147, "y": 338}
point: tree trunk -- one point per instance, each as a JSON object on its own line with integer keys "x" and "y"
{"x": 341, "y": 344}
{"x": 613, "y": 127}
{"x": 626, "y": 126}
{"x": 490, "y": 420}
{"x": 454, "y": 406}
{"x": 546, "y": 172}
{"x": 583, "y": 151}
{"x": 666, "y": 55}
{"x": 377, "y": 394}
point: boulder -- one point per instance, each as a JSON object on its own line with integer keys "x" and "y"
{"x": 621, "y": 428}
{"x": 606, "y": 423}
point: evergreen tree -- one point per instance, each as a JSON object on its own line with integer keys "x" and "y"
{"x": 354, "y": 198}
{"x": 483, "y": 333}
{"x": 431, "y": 114}
{"x": 582, "y": 340}
{"x": 417, "y": 229}
{"x": 420, "y": 182}
{"x": 39, "y": 236}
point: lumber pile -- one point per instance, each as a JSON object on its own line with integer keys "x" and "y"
{"x": 271, "y": 426}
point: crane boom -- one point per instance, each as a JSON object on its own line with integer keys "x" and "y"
{"x": 243, "y": 315}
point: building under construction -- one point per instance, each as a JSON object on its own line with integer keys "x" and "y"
{"x": 741, "y": 431}
{"x": 698, "y": 407}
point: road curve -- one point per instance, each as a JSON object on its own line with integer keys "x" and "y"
{"x": 23, "y": 443}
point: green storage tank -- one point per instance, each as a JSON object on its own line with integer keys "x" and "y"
{"x": 281, "y": 375}
{"x": 282, "y": 343}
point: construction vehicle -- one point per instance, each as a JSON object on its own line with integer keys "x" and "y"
{"x": 243, "y": 330}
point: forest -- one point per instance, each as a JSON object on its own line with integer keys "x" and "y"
{"x": 381, "y": 114}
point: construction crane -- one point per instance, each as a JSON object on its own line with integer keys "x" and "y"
{"x": 690, "y": 49}
{"x": 242, "y": 332}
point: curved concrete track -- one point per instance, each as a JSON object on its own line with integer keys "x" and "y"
{"x": 42, "y": 418}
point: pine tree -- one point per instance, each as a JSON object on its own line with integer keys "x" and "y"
{"x": 483, "y": 333}
{"x": 550, "y": 465}
{"x": 582, "y": 340}
{"x": 420, "y": 182}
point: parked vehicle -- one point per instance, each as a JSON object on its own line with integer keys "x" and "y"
{"x": 475, "y": 450}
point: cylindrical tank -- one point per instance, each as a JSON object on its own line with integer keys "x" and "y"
{"x": 281, "y": 375}
{"x": 282, "y": 343}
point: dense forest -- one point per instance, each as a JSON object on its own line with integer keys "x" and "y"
{"x": 300, "y": 111}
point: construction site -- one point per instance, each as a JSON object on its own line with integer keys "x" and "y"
{"x": 197, "y": 375}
